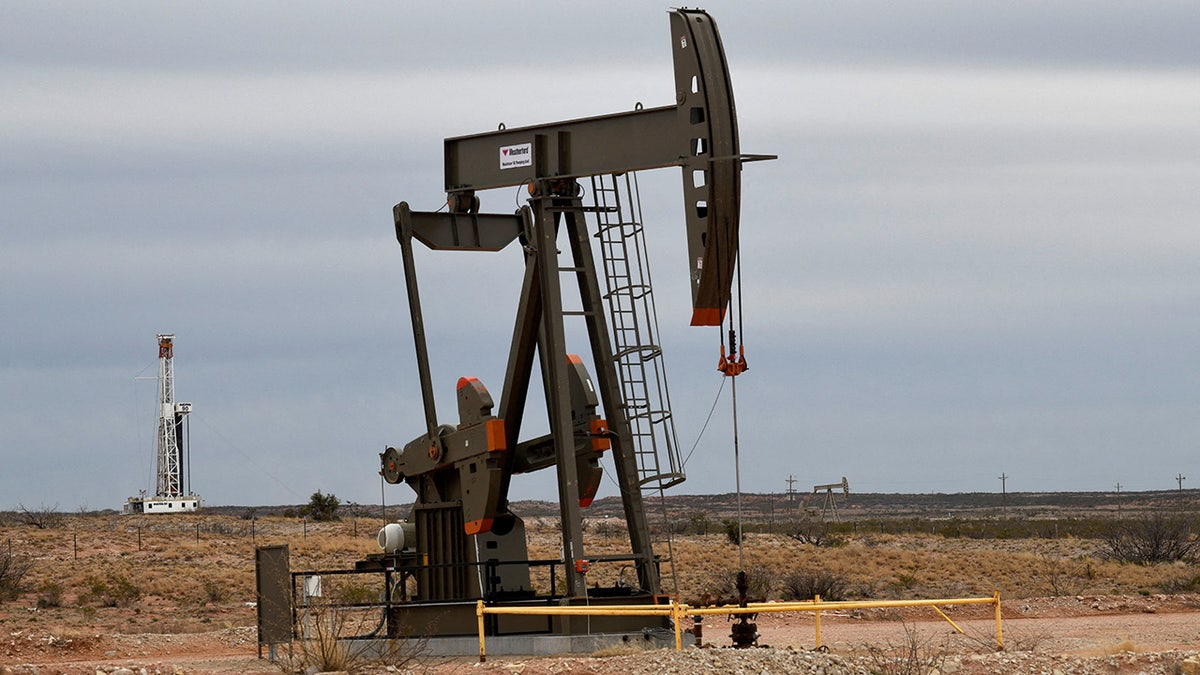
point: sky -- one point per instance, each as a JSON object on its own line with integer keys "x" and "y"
{"x": 976, "y": 255}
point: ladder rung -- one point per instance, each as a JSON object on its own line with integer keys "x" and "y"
{"x": 584, "y": 209}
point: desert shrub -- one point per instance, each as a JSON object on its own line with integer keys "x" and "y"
{"x": 1153, "y": 538}
{"x": 325, "y": 644}
{"x": 815, "y": 532}
{"x": 215, "y": 591}
{"x": 116, "y": 591}
{"x": 1064, "y": 576}
{"x": 917, "y": 654}
{"x": 357, "y": 594}
{"x": 1189, "y": 583}
{"x": 49, "y": 595}
{"x": 733, "y": 531}
{"x": 806, "y": 584}
{"x": 721, "y": 587}
{"x": 43, "y": 517}
{"x": 676, "y": 526}
{"x": 13, "y": 568}
{"x": 321, "y": 507}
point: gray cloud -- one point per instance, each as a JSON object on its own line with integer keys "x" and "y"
{"x": 975, "y": 254}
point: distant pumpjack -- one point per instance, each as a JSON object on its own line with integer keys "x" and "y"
{"x": 830, "y": 500}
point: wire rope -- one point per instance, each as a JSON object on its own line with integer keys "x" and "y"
{"x": 737, "y": 466}
{"x": 716, "y": 400}
{"x": 247, "y": 457}
{"x": 737, "y": 472}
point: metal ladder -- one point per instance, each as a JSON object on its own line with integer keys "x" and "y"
{"x": 633, "y": 324}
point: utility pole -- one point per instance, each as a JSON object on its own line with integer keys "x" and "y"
{"x": 791, "y": 491}
{"x": 1004, "y": 494}
{"x": 1118, "y": 501}
{"x": 1179, "y": 479}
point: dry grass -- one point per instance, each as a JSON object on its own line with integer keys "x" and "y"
{"x": 184, "y": 573}
{"x": 196, "y": 572}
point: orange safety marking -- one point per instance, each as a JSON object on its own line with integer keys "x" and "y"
{"x": 477, "y": 526}
{"x": 495, "y": 435}
{"x": 600, "y": 442}
{"x": 707, "y": 316}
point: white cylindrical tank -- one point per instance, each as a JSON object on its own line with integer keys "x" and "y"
{"x": 395, "y": 537}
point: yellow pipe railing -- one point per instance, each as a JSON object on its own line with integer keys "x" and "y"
{"x": 678, "y": 610}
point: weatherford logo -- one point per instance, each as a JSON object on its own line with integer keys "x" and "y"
{"x": 513, "y": 156}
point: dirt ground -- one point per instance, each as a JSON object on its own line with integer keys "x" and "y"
{"x": 1102, "y": 634}
{"x": 123, "y": 597}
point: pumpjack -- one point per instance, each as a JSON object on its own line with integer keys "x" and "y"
{"x": 462, "y": 542}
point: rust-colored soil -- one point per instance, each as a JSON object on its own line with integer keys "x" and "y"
{"x": 177, "y": 596}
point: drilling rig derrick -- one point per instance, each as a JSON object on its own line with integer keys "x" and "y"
{"x": 173, "y": 492}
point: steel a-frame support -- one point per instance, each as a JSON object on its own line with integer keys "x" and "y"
{"x": 539, "y": 328}
{"x": 605, "y": 364}
{"x": 547, "y": 214}
{"x": 553, "y": 351}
